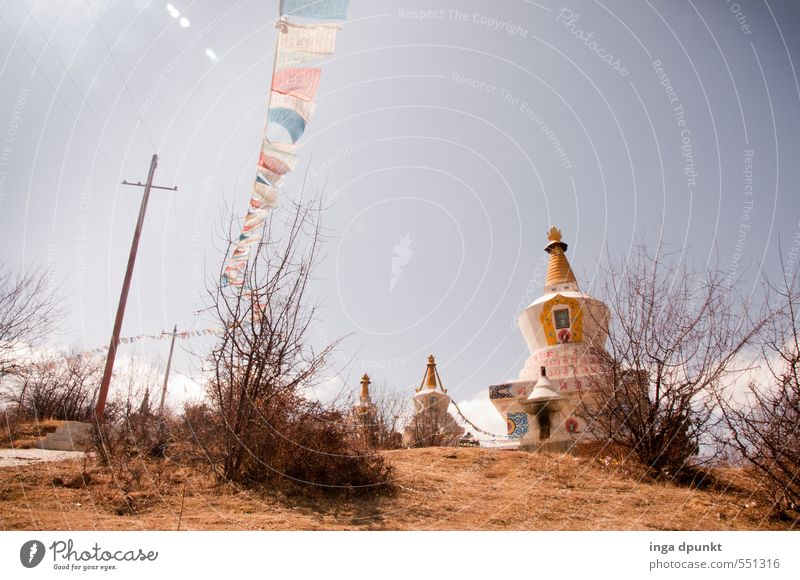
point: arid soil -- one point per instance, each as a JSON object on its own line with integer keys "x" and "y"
{"x": 437, "y": 489}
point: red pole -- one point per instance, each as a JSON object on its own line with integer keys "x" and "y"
{"x": 123, "y": 299}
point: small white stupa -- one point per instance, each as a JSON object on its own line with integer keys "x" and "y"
{"x": 564, "y": 329}
{"x": 365, "y": 414}
{"x": 432, "y": 425}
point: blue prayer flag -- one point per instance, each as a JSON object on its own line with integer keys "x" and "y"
{"x": 289, "y": 120}
{"x": 323, "y": 9}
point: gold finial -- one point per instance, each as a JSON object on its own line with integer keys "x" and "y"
{"x": 365, "y": 382}
{"x": 554, "y": 235}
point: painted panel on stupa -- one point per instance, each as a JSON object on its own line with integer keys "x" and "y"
{"x": 500, "y": 392}
{"x": 562, "y": 335}
{"x": 577, "y": 360}
{"x": 517, "y": 424}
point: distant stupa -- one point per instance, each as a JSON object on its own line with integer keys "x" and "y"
{"x": 432, "y": 424}
{"x": 365, "y": 415}
{"x": 563, "y": 329}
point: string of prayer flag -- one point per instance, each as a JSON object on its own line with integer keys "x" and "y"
{"x": 290, "y": 106}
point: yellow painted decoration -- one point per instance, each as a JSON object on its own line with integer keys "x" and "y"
{"x": 575, "y": 317}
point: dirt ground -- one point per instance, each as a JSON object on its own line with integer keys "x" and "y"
{"x": 437, "y": 489}
{"x": 16, "y": 457}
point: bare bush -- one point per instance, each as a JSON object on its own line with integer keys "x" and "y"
{"x": 765, "y": 428}
{"x": 29, "y": 312}
{"x": 431, "y": 426}
{"x": 54, "y": 387}
{"x": 266, "y": 359}
{"x": 133, "y": 429}
{"x": 378, "y": 423}
{"x": 197, "y": 434}
{"x": 673, "y": 338}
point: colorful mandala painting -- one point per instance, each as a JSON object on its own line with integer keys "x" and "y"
{"x": 517, "y": 424}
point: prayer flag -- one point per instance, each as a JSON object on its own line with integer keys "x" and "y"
{"x": 297, "y": 82}
{"x": 303, "y": 108}
{"x": 282, "y": 152}
{"x": 291, "y": 105}
{"x": 294, "y": 124}
{"x": 265, "y": 195}
{"x": 323, "y": 9}
{"x": 248, "y": 240}
{"x": 299, "y": 44}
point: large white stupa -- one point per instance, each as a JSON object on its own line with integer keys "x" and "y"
{"x": 564, "y": 329}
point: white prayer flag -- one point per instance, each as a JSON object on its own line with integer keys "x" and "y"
{"x": 298, "y": 44}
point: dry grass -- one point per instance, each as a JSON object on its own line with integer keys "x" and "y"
{"x": 23, "y": 434}
{"x": 439, "y": 488}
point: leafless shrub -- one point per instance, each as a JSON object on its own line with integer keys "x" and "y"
{"x": 54, "y": 387}
{"x": 430, "y": 426}
{"x": 265, "y": 360}
{"x": 310, "y": 447}
{"x": 197, "y": 434}
{"x": 132, "y": 449}
{"x": 29, "y": 312}
{"x": 765, "y": 428}
{"x": 378, "y": 424}
{"x": 674, "y": 335}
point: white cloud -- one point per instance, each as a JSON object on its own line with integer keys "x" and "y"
{"x": 183, "y": 388}
{"x": 326, "y": 390}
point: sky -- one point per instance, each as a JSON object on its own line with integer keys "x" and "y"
{"x": 447, "y": 138}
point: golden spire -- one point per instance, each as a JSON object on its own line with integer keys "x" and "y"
{"x": 558, "y": 268}
{"x": 430, "y": 376}
{"x": 365, "y": 382}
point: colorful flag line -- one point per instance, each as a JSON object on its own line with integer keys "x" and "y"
{"x": 163, "y": 336}
{"x": 289, "y": 108}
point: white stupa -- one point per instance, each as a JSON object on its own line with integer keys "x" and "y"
{"x": 365, "y": 414}
{"x": 431, "y": 423}
{"x": 564, "y": 329}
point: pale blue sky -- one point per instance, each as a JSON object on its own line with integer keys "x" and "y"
{"x": 467, "y": 130}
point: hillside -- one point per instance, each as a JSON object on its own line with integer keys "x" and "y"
{"x": 439, "y": 489}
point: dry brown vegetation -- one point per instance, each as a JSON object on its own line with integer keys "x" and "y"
{"x": 438, "y": 488}
{"x": 23, "y": 434}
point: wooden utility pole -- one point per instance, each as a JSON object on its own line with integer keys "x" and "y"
{"x": 169, "y": 364}
{"x": 126, "y": 284}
